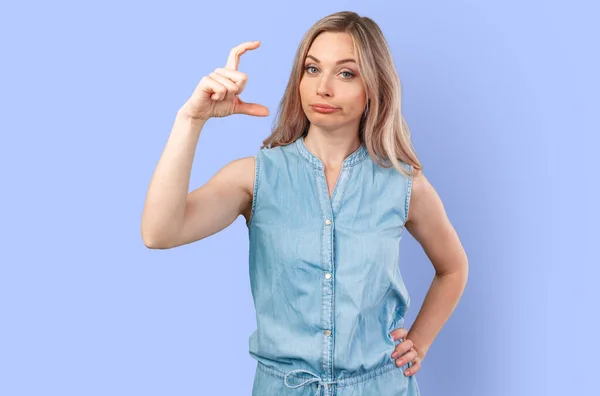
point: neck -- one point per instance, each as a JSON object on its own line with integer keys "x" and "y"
{"x": 331, "y": 148}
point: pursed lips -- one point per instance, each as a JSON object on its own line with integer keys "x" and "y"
{"x": 324, "y": 106}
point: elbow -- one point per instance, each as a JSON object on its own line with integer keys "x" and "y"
{"x": 153, "y": 236}
{"x": 150, "y": 243}
{"x": 154, "y": 243}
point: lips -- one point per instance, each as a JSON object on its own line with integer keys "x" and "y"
{"x": 324, "y": 110}
{"x": 324, "y": 106}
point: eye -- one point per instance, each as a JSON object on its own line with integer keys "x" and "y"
{"x": 350, "y": 73}
{"x": 307, "y": 68}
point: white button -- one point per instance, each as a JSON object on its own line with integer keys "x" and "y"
{"x": 328, "y": 275}
{"x": 328, "y": 222}
{"x": 327, "y": 333}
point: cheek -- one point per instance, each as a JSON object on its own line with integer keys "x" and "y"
{"x": 357, "y": 102}
{"x": 302, "y": 89}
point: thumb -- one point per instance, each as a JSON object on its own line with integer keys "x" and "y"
{"x": 252, "y": 109}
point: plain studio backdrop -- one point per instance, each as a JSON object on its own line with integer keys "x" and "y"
{"x": 501, "y": 98}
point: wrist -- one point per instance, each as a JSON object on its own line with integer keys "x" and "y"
{"x": 184, "y": 112}
{"x": 421, "y": 352}
{"x": 184, "y": 115}
{"x": 418, "y": 345}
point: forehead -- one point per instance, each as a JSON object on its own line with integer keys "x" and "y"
{"x": 331, "y": 46}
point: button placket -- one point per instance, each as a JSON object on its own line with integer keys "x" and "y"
{"x": 329, "y": 206}
{"x": 327, "y": 265}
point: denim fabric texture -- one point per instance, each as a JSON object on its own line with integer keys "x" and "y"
{"x": 324, "y": 275}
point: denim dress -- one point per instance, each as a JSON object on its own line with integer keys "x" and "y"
{"x": 324, "y": 275}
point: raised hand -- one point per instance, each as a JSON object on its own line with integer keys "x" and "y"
{"x": 217, "y": 94}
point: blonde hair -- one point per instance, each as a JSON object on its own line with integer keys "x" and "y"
{"x": 382, "y": 128}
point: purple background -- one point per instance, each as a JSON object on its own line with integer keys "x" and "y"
{"x": 499, "y": 96}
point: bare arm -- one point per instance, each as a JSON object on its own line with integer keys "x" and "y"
{"x": 430, "y": 226}
{"x": 164, "y": 208}
{"x": 171, "y": 216}
{"x": 214, "y": 206}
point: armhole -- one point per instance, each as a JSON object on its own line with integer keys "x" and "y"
{"x": 255, "y": 189}
{"x": 408, "y": 192}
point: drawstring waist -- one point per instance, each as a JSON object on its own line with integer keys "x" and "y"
{"x": 322, "y": 384}
{"x": 316, "y": 378}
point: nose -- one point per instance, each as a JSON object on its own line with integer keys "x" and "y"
{"x": 324, "y": 88}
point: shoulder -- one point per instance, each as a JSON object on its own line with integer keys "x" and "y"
{"x": 251, "y": 170}
{"x": 423, "y": 198}
{"x": 430, "y": 226}
{"x": 277, "y": 153}
{"x": 271, "y": 160}
{"x": 240, "y": 172}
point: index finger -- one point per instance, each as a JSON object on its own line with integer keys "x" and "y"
{"x": 398, "y": 333}
{"x": 234, "y": 55}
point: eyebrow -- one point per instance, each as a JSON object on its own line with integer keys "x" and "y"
{"x": 337, "y": 63}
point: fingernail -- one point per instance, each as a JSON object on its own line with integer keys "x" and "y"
{"x": 394, "y": 355}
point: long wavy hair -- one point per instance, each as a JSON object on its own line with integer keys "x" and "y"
{"x": 382, "y": 127}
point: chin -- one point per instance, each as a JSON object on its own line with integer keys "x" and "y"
{"x": 325, "y": 119}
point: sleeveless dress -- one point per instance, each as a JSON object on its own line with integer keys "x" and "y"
{"x": 324, "y": 275}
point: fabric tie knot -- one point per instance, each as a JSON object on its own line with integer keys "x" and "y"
{"x": 308, "y": 380}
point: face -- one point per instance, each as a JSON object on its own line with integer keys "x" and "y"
{"x": 331, "y": 77}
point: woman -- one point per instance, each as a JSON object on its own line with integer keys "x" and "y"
{"x": 326, "y": 200}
